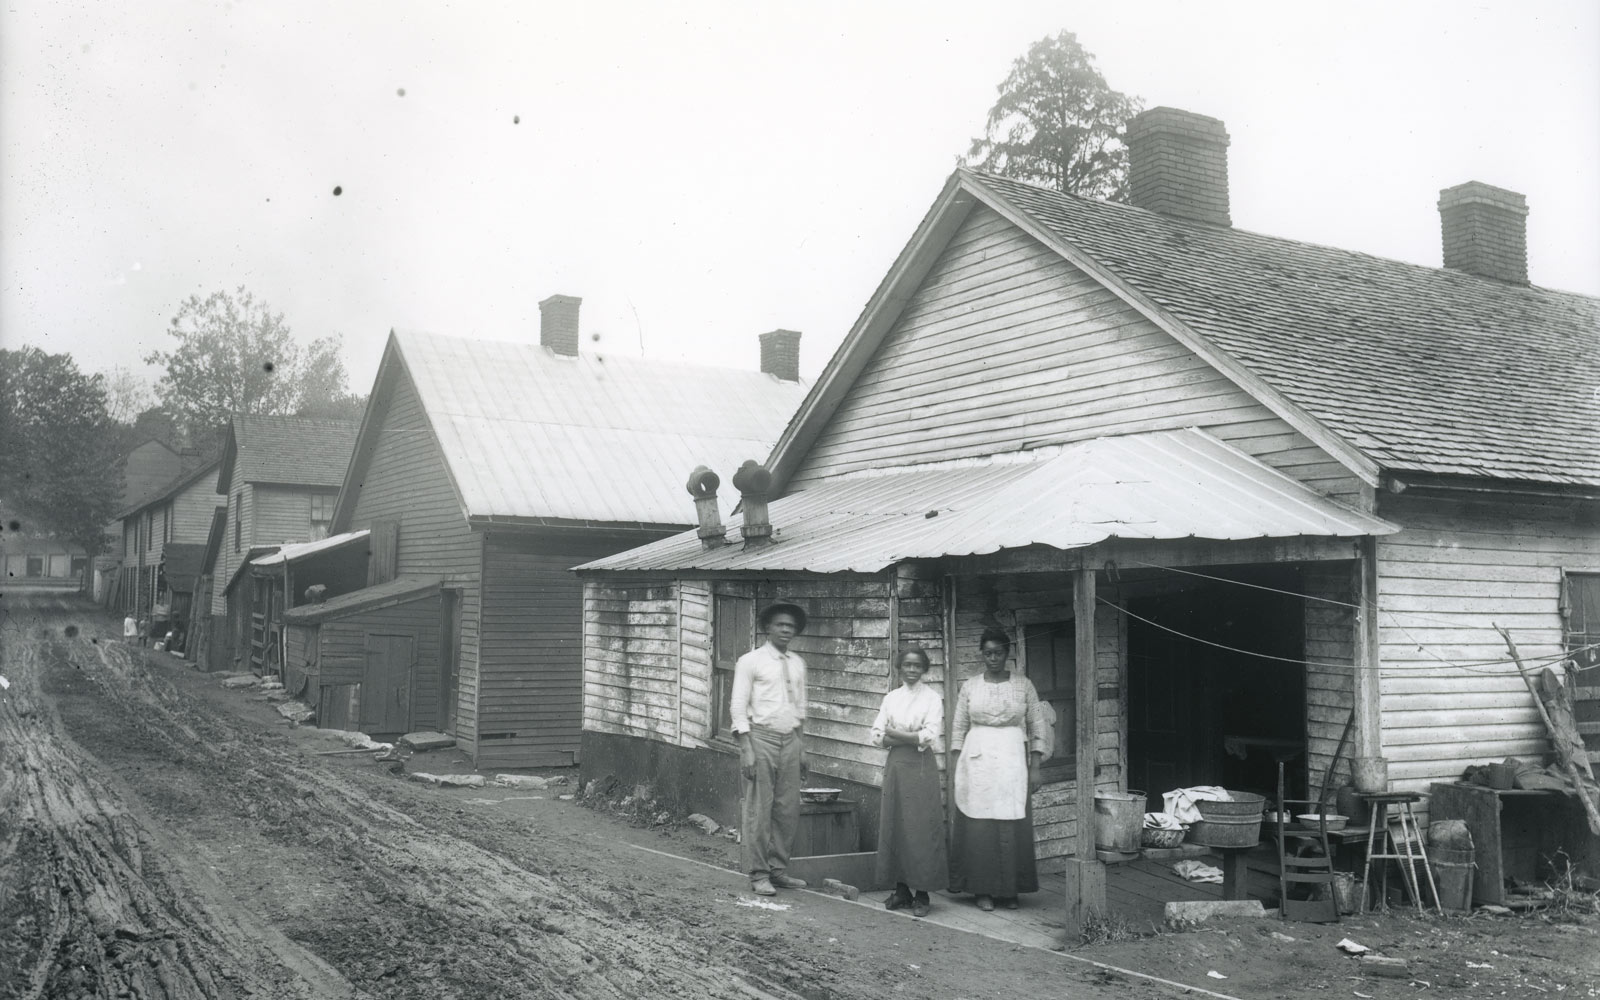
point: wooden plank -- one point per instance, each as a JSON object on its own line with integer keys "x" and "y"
{"x": 1083, "y": 601}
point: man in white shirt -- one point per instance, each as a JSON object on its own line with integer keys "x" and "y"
{"x": 769, "y": 711}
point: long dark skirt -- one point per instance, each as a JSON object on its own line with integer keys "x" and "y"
{"x": 993, "y": 857}
{"x": 911, "y": 845}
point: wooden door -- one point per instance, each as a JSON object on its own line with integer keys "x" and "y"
{"x": 386, "y": 684}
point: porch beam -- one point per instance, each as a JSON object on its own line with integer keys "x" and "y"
{"x": 1086, "y": 877}
{"x": 1130, "y": 553}
{"x": 1367, "y": 658}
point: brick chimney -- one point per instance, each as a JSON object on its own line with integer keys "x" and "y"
{"x": 1178, "y": 165}
{"x": 1485, "y": 231}
{"x": 780, "y": 354}
{"x": 558, "y": 324}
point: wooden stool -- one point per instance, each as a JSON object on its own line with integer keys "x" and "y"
{"x": 1378, "y": 804}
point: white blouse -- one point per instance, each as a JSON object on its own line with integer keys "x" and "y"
{"x": 918, "y": 709}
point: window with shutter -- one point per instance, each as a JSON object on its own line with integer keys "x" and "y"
{"x": 733, "y": 634}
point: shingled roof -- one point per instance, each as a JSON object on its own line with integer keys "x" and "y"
{"x": 1421, "y": 369}
{"x": 298, "y": 451}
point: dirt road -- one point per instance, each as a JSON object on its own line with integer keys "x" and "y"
{"x": 153, "y": 846}
{"x": 161, "y": 837}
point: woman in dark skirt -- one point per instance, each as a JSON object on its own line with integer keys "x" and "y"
{"x": 911, "y": 848}
{"x": 998, "y": 739}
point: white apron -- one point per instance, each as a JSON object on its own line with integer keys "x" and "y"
{"x": 992, "y": 773}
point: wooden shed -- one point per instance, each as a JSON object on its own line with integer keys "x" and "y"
{"x": 371, "y": 660}
{"x": 1227, "y": 492}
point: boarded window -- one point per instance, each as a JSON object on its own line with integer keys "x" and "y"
{"x": 733, "y": 630}
{"x": 1049, "y": 660}
{"x": 35, "y": 566}
{"x": 1583, "y": 642}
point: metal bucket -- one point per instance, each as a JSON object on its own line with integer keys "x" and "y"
{"x": 1118, "y": 820}
{"x": 1347, "y": 891}
{"x": 1229, "y": 824}
{"x": 1370, "y": 774}
{"x": 1454, "y": 884}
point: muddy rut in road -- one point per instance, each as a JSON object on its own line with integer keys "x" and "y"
{"x": 86, "y": 908}
{"x": 153, "y": 847}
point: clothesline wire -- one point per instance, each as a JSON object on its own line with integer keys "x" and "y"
{"x": 1311, "y": 597}
{"x": 1394, "y": 617}
{"x": 1470, "y": 666}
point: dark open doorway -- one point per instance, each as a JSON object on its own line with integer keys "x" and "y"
{"x": 1200, "y": 711}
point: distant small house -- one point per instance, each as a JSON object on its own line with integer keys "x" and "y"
{"x": 31, "y": 556}
{"x": 177, "y": 512}
{"x": 492, "y": 468}
{"x": 1229, "y": 493}
{"x": 279, "y": 477}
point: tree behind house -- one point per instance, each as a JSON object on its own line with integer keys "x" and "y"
{"x": 60, "y": 467}
{"x": 1057, "y": 123}
{"x": 235, "y": 355}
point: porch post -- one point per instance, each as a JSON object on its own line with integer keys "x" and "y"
{"x": 1369, "y": 722}
{"x": 1086, "y": 874}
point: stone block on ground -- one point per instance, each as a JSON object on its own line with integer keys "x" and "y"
{"x": 424, "y": 741}
{"x": 449, "y": 780}
{"x": 238, "y": 681}
{"x": 1189, "y": 912}
{"x": 1378, "y": 965}
{"x": 297, "y": 712}
{"x": 521, "y": 781}
{"x": 834, "y": 887}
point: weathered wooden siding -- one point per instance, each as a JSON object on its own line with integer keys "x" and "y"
{"x": 283, "y": 515}
{"x": 342, "y": 651}
{"x": 192, "y": 509}
{"x": 1449, "y": 698}
{"x": 530, "y": 705}
{"x": 645, "y": 677}
{"x": 982, "y": 601}
{"x": 846, "y": 649}
{"x": 407, "y": 482}
{"x": 1006, "y": 346}
{"x": 694, "y": 662}
{"x": 1330, "y": 623}
{"x": 630, "y": 648}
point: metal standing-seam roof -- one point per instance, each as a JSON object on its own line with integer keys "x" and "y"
{"x": 1423, "y": 369}
{"x": 1159, "y": 485}
{"x": 528, "y": 433}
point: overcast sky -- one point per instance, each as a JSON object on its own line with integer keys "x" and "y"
{"x": 698, "y": 172}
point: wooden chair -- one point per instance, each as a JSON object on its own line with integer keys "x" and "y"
{"x": 1304, "y": 871}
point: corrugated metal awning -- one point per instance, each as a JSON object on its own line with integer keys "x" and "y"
{"x": 1160, "y": 485}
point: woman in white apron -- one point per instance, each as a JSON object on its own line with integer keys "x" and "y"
{"x": 998, "y": 738}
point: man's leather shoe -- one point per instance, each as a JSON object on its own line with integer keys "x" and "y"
{"x": 762, "y": 887}
{"x": 783, "y": 881}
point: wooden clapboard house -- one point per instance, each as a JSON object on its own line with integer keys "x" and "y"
{"x": 1226, "y": 491}
{"x": 278, "y": 481}
{"x": 176, "y": 513}
{"x": 498, "y": 466}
